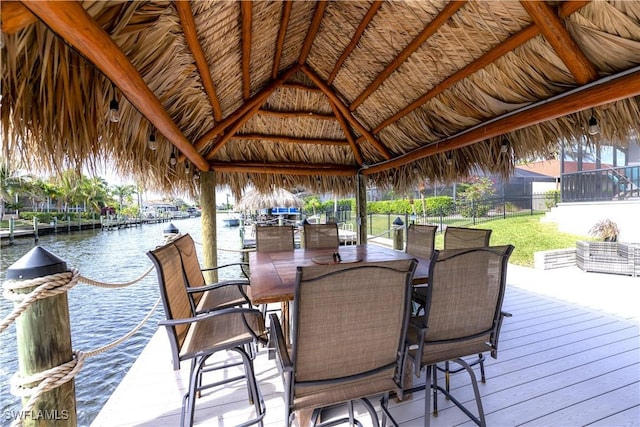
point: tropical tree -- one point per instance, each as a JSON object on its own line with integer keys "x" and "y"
{"x": 11, "y": 183}
{"x": 311, "y": 203}
{"x": 68, "y": 184}
{"x": 122, "y": 193}
{"x": 95, "y": 192}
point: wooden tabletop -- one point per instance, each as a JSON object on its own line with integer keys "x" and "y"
{"x": 273, "y": 274}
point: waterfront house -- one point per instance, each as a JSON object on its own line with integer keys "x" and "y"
{"x": 327, "y": 95}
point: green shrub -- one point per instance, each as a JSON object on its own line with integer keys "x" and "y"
{"x": 551, "y": 198}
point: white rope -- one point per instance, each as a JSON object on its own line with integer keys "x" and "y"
{"x": 54, "y": 377}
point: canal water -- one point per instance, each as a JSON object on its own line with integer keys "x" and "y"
{"x": 99, "y": 316}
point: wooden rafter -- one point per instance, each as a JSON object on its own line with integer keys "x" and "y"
{"x": 284, "y": 23}
{"x": 306, "y": 169}
{"x": 191, "y": 36}
{"x": 71, "y": 22}
{"x": 231, "y": 132}
{"x": 347, "y": 134}
{"x": 346, "y": 113}
{"x": 257, "y": 99}
{"x": 291, "y": 139}
{"x": 503, "y": 48}
{"x": 354, "y": 40}
{"x": 621, "y": 88}
{"x": 247, "y": 20}
{"x": 15, "y": 16}
{"x": 558, "y": 37}
{"x": 433, "y": 26}
{"x": 296, "y": 114}
{"x": 313, "y": 31}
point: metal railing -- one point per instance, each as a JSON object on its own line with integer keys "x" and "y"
{"x": 615, "y": 183}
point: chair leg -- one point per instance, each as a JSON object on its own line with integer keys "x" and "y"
{"x": 427, "y": 397}
{"x": 434, "y": 373}
{"x": 254, "y": 393}
{"x": 482, "y": 377}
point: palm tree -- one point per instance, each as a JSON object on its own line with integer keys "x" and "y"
{"x": 95, "y": 192}
{"x": 123, "y": 192}
{"x": 11, "y": 184}
{"x": 68, "y": 183}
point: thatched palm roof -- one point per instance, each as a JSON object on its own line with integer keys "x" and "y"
{"x": 310, "y": 93}
{"x": 253, "y": 200}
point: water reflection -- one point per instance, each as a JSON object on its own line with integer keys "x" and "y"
{"x": 99, "y": 316}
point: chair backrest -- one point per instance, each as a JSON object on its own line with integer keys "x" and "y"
{"x": 464, "y": 296}
{"x": 463, "y": 238}
{"x": 321, "y": 236}
{"x": 421, "y": 240}
{"x": 273, "y": 238}
{"x": 172, "y": 281}
{"x": 190, "y": 264}
{"x": 349, "y": 320}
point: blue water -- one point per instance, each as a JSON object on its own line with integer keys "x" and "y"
{"x": 99, "y": 316}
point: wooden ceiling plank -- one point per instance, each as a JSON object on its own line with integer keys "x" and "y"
{"x": 70, "y": 21}
{"x": 247, "y": 20}
{"x": 15, "y": 16}
{"x": 347, "y": 133}
{"x": 191, "y": 35}
{"x": 296, "y": 114}
{"x": 313, "y": 31}
{"x": 301, "y": 169}
{"x": 559, "y": 38}
{"x": 614, "y": 90}
{"x": 284, "y": 23}
{"x": 346, "y": 113}
{"x": 431, "y": 28}
{"x": 291, "y": 139}
{"x": 513, "y": 42}
{"x": 257, "y": 99}
{"x": 354, "y": 40}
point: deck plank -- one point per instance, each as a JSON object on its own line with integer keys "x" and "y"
{"x": 559, "y": 364}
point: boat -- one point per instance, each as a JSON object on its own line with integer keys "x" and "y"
{"x": 231, "y": 221}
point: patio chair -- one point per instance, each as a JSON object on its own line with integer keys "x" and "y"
{"x": 463, "y": 317}
{"x": 349, "y": 328}
{"x": 273, "y": 238}
{"x": 420, "y": 242}
{"x": 462, "y": 238}
{"x": 197, "y": 337}
{"x": 207, "y": 297}
{"x": 321, "y": 236}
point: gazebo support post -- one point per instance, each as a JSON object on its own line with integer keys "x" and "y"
{"x": 209, "y": 231}
{"x": 361, "y": 208}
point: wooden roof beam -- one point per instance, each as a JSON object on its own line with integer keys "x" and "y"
{"x": 191, "y": 36}
{"x": 70, "y": 21}
{"x": 247, "y": 20}
{"x": 313, "y": 31}
{"x": 617, "y": 89}
{"x": 303, "y": 169}
{"x": 345, "y": 112}
{"x": 231, "y": 132}
{"x": 433, "y": 26}
{"x": 15, "y": 16}
{"x": 559, "y": 38}
{"x": 257, "y": 99}
{"x": 518, "y": 39}
{"x": 296, "y": 114}
{"x": 284, "y": 23}
{"x": 354, "y": 40}
{"x": 347, "y": 133}
{"x": 290, "y": 139}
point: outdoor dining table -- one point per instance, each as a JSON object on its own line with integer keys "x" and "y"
{"x": 273, "y": 274}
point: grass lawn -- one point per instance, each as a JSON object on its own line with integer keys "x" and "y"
{"x": 525, "y": 232}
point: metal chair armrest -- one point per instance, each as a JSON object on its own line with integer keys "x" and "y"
{"x": 277, "y": 336}
{"x": 210, "y": 314}
{"x": 232, "y": 282}
{"x": 242, "y": 266}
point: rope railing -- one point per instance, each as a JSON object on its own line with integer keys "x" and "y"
{"x": 34, "y": 386}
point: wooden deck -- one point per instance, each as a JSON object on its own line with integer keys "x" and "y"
{"x": 560, "y": 363}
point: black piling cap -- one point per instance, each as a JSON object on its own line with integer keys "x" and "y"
{"x": 38, "y": 262}
{"x": 398, "y": 221}
{"x": 171, "y": 229}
